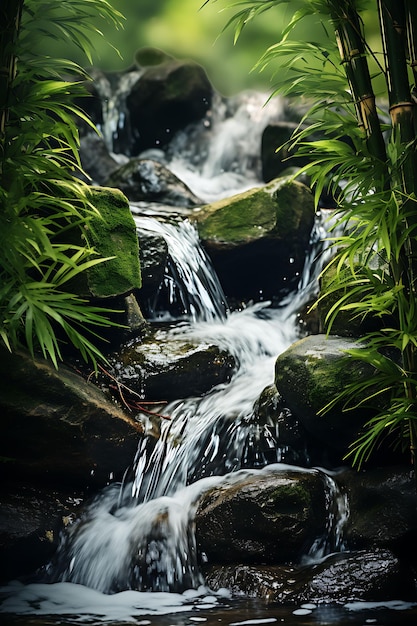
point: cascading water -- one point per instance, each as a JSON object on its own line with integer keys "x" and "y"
{"x": 139, "y": 536}
{"x": 190, "y": 284}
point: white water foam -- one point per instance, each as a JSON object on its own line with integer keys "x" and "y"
{"x": 86, "y": 604}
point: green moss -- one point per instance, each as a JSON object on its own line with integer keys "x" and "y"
{"x": 278, "y": 209}
{"x": 292, "y": 493}
{"x": 113, "y": 235}
{"x": 249, "y": 215}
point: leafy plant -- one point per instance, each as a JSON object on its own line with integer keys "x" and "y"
{"x": 372, "y": 176}
{"x": 42, "y": 198}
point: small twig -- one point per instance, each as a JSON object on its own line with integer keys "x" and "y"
{"x": 137, "y": 406}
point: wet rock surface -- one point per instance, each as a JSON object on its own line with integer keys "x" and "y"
{"x": 272, "y": 583}
{"x": 155, "y": 367}
{"x": 340, "y": 578}
{"x": 258, "y": 239}
{"x": 58, "y": 428}
{"x": 31, "y": 519}
{"x": 264, "y": 519}
{"x": 145, "y": 179}
{"x": 373, "y": 576}
{"x": 96, "y": 159}
{"x": 308, "y": 375}
{"x": 383, "y": 508}
{"x": 169, "y": 96}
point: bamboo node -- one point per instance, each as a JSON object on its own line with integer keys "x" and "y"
{"x": 402, "y": 105}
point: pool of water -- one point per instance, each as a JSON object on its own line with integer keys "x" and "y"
{"x": 190, "y": 609}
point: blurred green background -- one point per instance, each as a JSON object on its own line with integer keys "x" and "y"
{"x": 185, "y": 29}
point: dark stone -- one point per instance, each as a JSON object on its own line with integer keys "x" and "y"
{"x": 153, "y": 255}
{"x": 340, "y": 578}
{"x": 276, "y": 434}
{"x": 96, "y": 159}
{"x": 31, "y": 519}
{"x": 160, "y": 368}
{"x": 58, "y": 428}
{"x": 148, "y": 180}
{"x": 273, "y": 583}
{"x": 266, "y": 518}
{"x": 167, "y": 97}
{"x": 383, "y": 509}
{"x": 275, "y": 154}
{"x": 360, "y": 576}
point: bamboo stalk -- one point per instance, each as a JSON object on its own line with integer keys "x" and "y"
{"x": 394, "y": 38}
{"x": 10, "y": 16}
{"x": 392, "y": 16}
{"x": 348, "y": 29}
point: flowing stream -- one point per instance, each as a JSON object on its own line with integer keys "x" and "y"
{"x": 131, "y": 557}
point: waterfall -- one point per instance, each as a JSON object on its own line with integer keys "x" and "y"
{"x": 190, "y": 283}
{"x": 221, "y": 156}
{"x": 140, "y": 534}
{"x": 337, "y": 506}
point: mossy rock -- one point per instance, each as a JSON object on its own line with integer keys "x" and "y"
{"x": 265, "y": 517}
{"x": 309, "y": 375}
{"x": 113, "y": 234}
{"x": 258, "y": 240}
{"x": 282, "y": 209}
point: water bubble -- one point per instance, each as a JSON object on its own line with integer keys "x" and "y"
{"x": 302, "y": 612}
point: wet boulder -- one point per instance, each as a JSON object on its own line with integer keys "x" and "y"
{"x": 273, "y": 583}
{"x": 343, "y": 577}
{"x": 168, "y": 96}
{"x": 60, "y": 428}
{"x": 309, "y": 375}
{"x": 269, "y": 517}
{"x": 162, "y": 368}
{"x": 276, "y": 434}
{"x": 257, "y": 240}
{"x": 96, "y": 159}
{"x": 150, "y": 181}
{"x": 358, "y": 576}
{"x": 153, "y": 255}
{"x": 275, "y": 152}
{"x": 31, "y": 519}
{"x": 383, "y": 509}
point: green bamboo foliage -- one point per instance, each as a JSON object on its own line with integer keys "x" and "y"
{"x": 398, "y": 47}
{"x": 372, "y": 273}
{"x": 394, "y": 37}
{"x": 41, "y": 198}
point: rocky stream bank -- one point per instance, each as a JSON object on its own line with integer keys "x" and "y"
{"x": 294, "y": 523}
